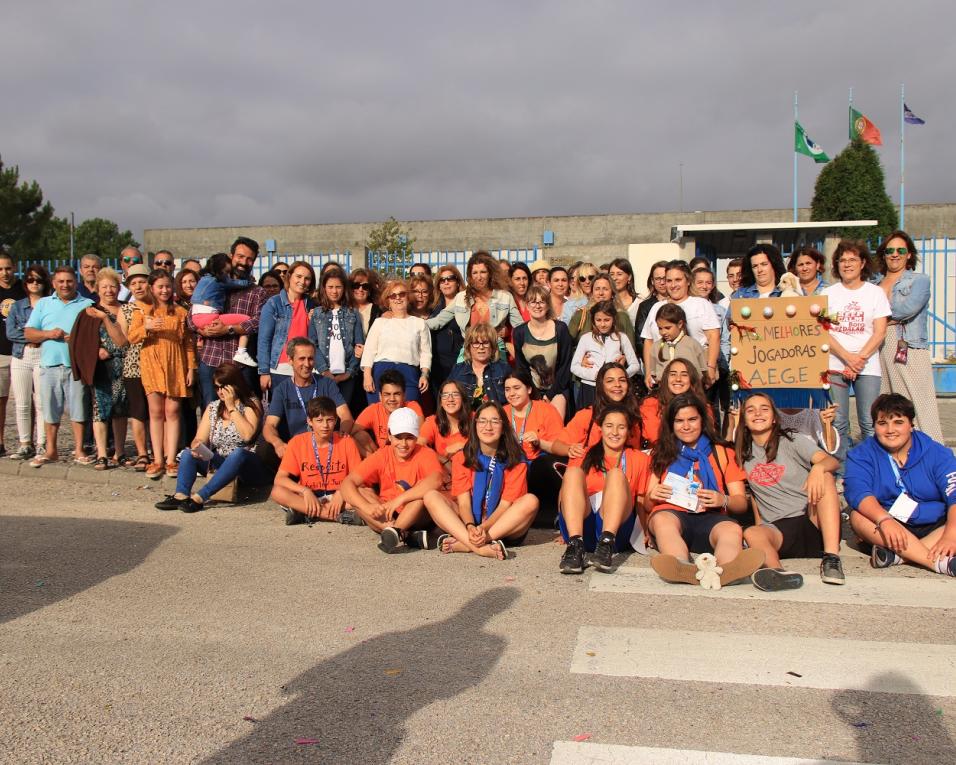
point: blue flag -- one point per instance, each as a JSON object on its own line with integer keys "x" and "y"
{"x": 911, "y": 119}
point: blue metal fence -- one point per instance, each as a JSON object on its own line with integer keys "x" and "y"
{"x": 268, "y": 260}
{"x": 389, "y": 264}
{"x": 52, "y": 265}
{"x": 936, "y": 259}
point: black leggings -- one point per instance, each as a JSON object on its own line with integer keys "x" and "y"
{"x": 545, "y": 484}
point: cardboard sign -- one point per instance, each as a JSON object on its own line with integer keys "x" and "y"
{"x": 778, "y": 342}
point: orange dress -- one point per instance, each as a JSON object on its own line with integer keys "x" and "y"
{"x": 167, "y": 352}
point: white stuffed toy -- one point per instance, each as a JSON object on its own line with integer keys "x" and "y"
{"x": 708, "y": 572}
{"x": 790, "y": 286}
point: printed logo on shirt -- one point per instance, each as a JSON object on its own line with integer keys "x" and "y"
{"x": 5, "y": 307}
{"x": 309, "y": 466}
{"x": 950, "y": 484}
{"x": 767, "y": 474}
{"x": 851, "y": 320}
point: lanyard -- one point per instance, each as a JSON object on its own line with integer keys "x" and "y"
{"x": 622, "y": 463}
{"x": 315, "y": 390}
{"x": 323, "y": 474}
{"x": 491, "y": 479}
{"x": 896, "y": 472}
{"x": 524, "y": 424}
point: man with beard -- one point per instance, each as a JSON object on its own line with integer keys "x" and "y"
{"x": 220, "y": 341}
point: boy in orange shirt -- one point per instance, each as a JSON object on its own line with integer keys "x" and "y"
{"x": 307, "y": 485}
{"x": 405, "y": 471}
{"x": 374, "y": 417}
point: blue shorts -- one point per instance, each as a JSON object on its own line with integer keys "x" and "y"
{"x": 58, "y": 390}
{"x": 594, "y": 527}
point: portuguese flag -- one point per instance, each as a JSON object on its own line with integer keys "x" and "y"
{"x": 861, "y": 127}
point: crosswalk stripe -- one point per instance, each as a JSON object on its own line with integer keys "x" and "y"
{"x": 573, "y": 753}
{"x": 938, "y": 592}
{"x": 766, "y": 660}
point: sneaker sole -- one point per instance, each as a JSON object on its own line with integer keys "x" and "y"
{"x": 605, "y": 568}
{"x": 672, "y": 570}
{"x": 742, "y": 566}
{"x": 389, "y": 540}
{"x": 770, "y": 580}
{"x": 568, "y": 570}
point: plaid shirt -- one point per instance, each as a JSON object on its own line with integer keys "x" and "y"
{"x": 216, "y": 350}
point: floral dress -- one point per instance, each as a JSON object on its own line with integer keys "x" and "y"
{"x": 109, "y": 394}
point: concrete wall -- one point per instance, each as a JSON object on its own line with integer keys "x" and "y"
{"x": 593, "y": 237}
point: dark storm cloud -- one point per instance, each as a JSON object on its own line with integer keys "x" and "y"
{"x": 221, "y": 114}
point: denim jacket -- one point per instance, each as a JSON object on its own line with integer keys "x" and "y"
{"x": 753, "y": 291}
{"x": 320, "y": 332}
{"x": 909, "y": 303}
{"x": 16, "y": 321}
{"x": 501, "y": 306}
{"x": 274, "y": 324}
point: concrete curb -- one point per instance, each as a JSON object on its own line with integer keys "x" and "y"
{"x": 67, "y": 471}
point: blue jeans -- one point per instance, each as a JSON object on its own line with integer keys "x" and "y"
{"x": 240, "y": 462}
{"x": 866, "y": 388}
{"x": 410, "y": 373}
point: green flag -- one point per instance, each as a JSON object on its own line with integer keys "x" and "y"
{"x": 803, "y": 144}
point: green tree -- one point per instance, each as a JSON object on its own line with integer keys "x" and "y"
{"x": 103, "y": 237}
{"x": 853, "y": 187}
{"x": 23, "y": 213}
{"x": 391, "y": 240}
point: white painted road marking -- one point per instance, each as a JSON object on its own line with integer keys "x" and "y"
{"x": 938, "y": 592}
{"x": 572, "y": 753}
{"x": 766, "y": 659}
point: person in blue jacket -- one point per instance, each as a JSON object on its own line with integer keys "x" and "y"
{"x": 901, "y": 486}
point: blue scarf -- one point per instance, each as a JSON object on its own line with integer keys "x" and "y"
{"x": 484, "y": 496}
{"x": 688, "y": 456}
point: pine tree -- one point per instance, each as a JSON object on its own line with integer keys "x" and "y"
{"x": 23, "y": 214}
{"x": 853, "y": 187}
{"x": 395, "y": 242}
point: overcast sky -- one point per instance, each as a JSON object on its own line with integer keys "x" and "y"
{"x": 211, "y": 113}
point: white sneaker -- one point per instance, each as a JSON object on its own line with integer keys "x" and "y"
{"x": 243, "y": 357}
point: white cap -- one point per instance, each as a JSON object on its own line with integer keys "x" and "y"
{"x": 403, "y": 420}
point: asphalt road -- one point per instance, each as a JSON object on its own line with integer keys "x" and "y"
{"x": 134, "y": 636}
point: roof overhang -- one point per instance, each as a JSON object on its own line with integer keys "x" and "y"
{"x": 731, "y": 239}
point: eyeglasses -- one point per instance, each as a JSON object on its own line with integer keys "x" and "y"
{"x": 360, "y": 286}
{"x": 491, "y": 423}
{"x": 162, "y": 263}
{"x": 660, "y": 279}
{"x": 450, "y": 396}
{"x": 420, "y": 292}
{"x": 849, "y": 261}
{"x": 897, "y": 250}
{"x": 536, "y": 301}
{"x": 480, "y": 343}
{"x": 131, "y": 259}
{"x": 33, "y": 280}
{"x": 398, "y": 296}
{"x": 446, "y": 279}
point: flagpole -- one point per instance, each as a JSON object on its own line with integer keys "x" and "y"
{"x": 795, "y": 120}
{"x": 849, "y": 114}
{"x": 902, "y": 158}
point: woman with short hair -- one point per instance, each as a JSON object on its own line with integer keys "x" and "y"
{"x": 482, "y": 373}
{"x": 760, "y": 276}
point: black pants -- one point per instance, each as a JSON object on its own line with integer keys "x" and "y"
{"x": 545, "y": 484}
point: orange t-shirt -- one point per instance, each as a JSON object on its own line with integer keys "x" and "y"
{"x": 581, "y": 430}
{"x": 436, "y": 440}
{"x": 299, "y": 461}
{"x": 386, "y": 470}
{"x": 651, "y": 418}
{"x": 375, "y": 418}
{"x": 731, "y": 472}
{"x": 543, "y": 419}
{"x": 463, "y": 478}
{"x": 637, "y": 469}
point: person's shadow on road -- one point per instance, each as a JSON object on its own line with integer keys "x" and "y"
{"x": 355, "y": 704}
{"x": 903, "y": 727}
{"x": 46, "y": 559}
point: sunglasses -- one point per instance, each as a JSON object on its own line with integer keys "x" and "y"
{"x": 162, "y": 263}
{"x": 446, "y": 279}
{"x": 281, "y": 271}
{"x": 398, "y": 296}
{"x": 360, "y": 286}
{"x": 130, "y": 259}
{"x": 33, "y": 280}
{"x": 898, "y": 250}
{"x": 585, "y": 279}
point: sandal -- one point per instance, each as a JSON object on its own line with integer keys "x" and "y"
{"x": 101, "y": 463}
{"x": 501, "y": 546}
{"x": 84, "y": 460}
{"x": 141, "y": 463}
{"x": 155, "y": 471}
{"x": 440, "y": 545}
{"x": 40, "y": 461}
{"x": 125, "y": 461}
{"x": 172, "y": 469}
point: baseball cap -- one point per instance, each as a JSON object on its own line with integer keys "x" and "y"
{"x": 403, "y": 420}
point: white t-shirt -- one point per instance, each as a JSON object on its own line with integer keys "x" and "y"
{"x": 336, "y": 349}
{"x": 857, "y": 310}
{"x": 700, "y": 314}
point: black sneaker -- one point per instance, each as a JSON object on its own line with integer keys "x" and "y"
{"x": 776, "y": 580}
{"x": 350, "y": 518}
{"x": 25, "y": 452}
{"x": 603, "y": 555}
{"x": 831, "y": 569}
{"x": 883, "y": 557}
{"x": 169, "y": 503}
{"x": 293, "y": 517}
{"x": 390, "y": 539}
{"x": 572, "y": 562}
{"x": 422, "y": 540}
{"x": 189, "y": 506}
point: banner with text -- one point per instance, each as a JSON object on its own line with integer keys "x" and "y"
{"x": 779, "y": 342}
